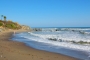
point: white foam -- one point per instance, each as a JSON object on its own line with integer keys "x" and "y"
{"x": 42, "y": 38}
{"x": 75, "y": 29}
{"x": 63, "y": 44}
{"x": 65, "y": 36}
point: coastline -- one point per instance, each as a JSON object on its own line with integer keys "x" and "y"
{"x": 12, "y": 50}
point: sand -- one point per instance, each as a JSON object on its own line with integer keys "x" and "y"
{"x": 12, "y": 50}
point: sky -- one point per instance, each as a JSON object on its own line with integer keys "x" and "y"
{"x": 47, "y": 13}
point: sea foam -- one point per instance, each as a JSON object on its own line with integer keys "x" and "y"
{"x": 62, "y": 38}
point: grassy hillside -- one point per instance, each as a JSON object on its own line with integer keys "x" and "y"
{"x": 9, "y": 24}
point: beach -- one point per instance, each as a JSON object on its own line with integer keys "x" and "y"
{"x": 12, "y": 50}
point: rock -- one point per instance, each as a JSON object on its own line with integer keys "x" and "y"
{"x": 37, "y": 29}
{"x": 53, "y": 39}
{"x": 25, "y": 27}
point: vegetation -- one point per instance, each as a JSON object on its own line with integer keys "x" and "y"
{"x": 8, "y": 24}
{"x": 1, "y": 17}
{"x": 5, "y": 18}
{"x": 1, "y": 24}
{"x": 11, "y": 26}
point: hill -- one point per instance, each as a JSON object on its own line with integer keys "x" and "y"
{"x": 5, "y": 25}
{"x": 10, "y": 25}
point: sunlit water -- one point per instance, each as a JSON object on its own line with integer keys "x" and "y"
{"x": 59, "y": 40}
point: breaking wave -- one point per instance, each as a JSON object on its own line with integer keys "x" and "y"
{"x": 71, "y": 38}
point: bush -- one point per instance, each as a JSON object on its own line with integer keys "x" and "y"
{"x": 1, "y": 24}
{"x": 11, "y": 26}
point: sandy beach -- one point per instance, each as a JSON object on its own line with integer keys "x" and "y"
{"x": 11, "y": 50}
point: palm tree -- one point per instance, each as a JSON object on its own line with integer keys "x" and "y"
{"x": 1, "y": 17}
{"x": 5, "y": 18}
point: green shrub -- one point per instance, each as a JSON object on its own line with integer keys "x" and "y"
{"x": 11, "y": 26}
{"x": 8, "y": 26}
{"x": 1, "y": 24}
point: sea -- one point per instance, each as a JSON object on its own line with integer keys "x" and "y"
{"x": 70, "y": 41}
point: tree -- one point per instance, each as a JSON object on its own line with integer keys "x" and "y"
{"x": 5, "y": 18}
{"x": 1, "y": 17}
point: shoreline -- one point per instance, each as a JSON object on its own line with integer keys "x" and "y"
{"x": 13, "y": 50}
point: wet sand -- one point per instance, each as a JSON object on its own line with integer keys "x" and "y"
{"x": 12, "y": 50}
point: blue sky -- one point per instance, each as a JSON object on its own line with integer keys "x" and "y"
{"x": 47, "y": 13}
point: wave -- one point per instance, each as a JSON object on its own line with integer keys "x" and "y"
{"x": 79, "y": 30}
{"x": 43, "y": 38}
{"x": 83, "y": 32}
{"x": 64, "y": 44}
{"x": 67, "y": 36}
{"x": 57, "y": 40}
{"x": 64, "y": 29}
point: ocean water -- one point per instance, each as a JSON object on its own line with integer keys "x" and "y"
{"x": 74, "y": 42}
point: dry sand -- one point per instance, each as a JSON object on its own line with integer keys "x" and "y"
{"x": 11, "y": 50}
